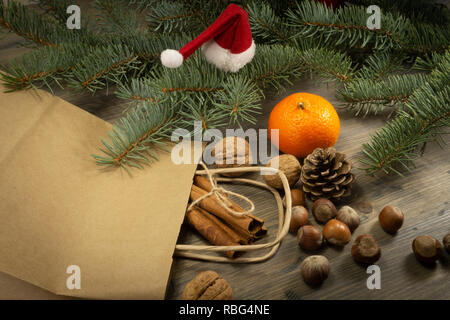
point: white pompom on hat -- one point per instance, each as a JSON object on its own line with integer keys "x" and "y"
{"x": 227, "y": 42}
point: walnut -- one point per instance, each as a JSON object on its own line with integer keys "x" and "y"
{"x": 232, "y": 152}
{"x": 289, "y": 165}
{"x": 207, "y": 285}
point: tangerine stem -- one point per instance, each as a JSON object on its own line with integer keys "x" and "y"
{"x": 301, "y": 105}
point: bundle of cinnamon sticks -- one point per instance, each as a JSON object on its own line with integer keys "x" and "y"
{"x": 216, "y": 224}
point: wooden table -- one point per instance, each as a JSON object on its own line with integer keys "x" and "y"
{"x": 423, "y": 195}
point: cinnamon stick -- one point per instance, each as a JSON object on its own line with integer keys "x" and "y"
{"x": 212, "y": 229}
{"x": 256, "y": 227}
{"x": 245, "y": 225}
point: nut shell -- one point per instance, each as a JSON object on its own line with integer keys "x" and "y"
{"x": 348, "y": 216}
{"x": 337, "y": 233}
{"x": 289, "y": 165}
{"x": 300, "y": 217}
{"x": 315, "y": 269}
{"x": 365, "y": 249}
{"x": 446, "y": 242}
{"x": 426, "y": 249}
{"x": 207, "y": 285}
{"x": 309, "y": 238}
{"x": 296, "y": 196}
{"x": 391, "y": 219}
{"x": 323, "y": 210}
{"x": 231, "y": 152}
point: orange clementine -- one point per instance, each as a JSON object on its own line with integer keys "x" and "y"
{"x": 305, "y": 121}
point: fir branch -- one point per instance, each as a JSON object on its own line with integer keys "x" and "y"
{"x": 428, "y": 62}
{"x": 266, "y": 25}
{"x": 137, "y": 91}
{"x": 367, "y": 96}
{"x": 140, "y": 4}
{"x": 347, "y": 27}
{"x": 57, "y": 8}
{"x": 133, "y": 139}
{"x": 328, "y": 65}
{"x": 380, "y": 64}
{"x": 424, "y": 38}
{"x": 273, "y": 66}
{"x": 102, "y": 66}
{"x": 199, "y": 108}
{"x": 42, "y": 66}
{"x": 441, "y": 73}
{"x": 115, "y": 17}
{"x": 35, "y": 27}
{"x": 395, "y": 146}
{"x": 195, "y": 76}
{"x": 172, "y": 17}
{"x": 313, "y": 39}
{"x": 148, "y": 47}
{"x": 239, "y": 100}
{"x": 417, "y": 10}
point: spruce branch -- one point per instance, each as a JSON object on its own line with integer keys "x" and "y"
{"x": 172, "y": 17}
{"x": 42, "y": 66}
{"x": 309, "y": 38}
{"x": 195, "y": 76}
{"x": 135, "y": 136}
{"x": 428, "y": 62}
{"x": 114, "y": 17}
{"x": 347, "y": 26}
{"x": 417, "y": 10}
{"x": 199, "y": 108}
{"x": 37, "y": 28}
{"x": 140, "y": 5}
{"x": 266, "y": 25}
{"x": 441, "y": 73}
{"x": 137, "y": 91}
{"x": 56, "y": 8}
{"x": 328, "y": 65}
{"x": 273, "y": 66}
{"x": 148, "y": 47}
{"x": 395, "y": 146}
{"x": 367, "y": 96}
{"x": 102, "y": 66}
{"x": 239, "y": 100}
{"x": 425, "y": 38}
{"x": 380, "y": 64}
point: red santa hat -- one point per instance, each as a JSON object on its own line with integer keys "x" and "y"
{"x": 226, "y": 43}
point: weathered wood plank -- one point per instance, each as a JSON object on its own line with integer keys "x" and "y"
{"x": 424, "y": 196}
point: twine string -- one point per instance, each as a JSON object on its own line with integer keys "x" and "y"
{"x": 222, "y": 200}
{"x": 182, "y": 250}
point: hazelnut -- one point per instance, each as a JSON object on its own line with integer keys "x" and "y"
{"x": 299, "y": 218}
{"x": 365, "y": 249}
{"x": 337, "y": 233}
{"x": 207, "y": 285}
{"x": 289, "y": 165}
{"x": 391, "y": 219}
{"x": 309, "y": 238}
{"x": 446, "y": 242}
{"x": 323, "y": 210}
{"x": 427, "y": 249}
{"x": 296, "y": 196}
{"x": 232, "y": 152}
{"x": 315, "y": 270}
{"x": 348, "y": 216}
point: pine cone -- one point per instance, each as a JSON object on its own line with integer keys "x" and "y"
{"x": 326, "y": 174}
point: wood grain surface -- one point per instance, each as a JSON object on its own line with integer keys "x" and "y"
{"x": 423, "y": 196}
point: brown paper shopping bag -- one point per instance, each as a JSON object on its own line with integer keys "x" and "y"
{"x": 59, "y": 209}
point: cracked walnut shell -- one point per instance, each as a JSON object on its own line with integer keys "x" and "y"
{"x": 207, "y": 285}
{"x": 232, "y": 152}
{"x": 289, "y": 165}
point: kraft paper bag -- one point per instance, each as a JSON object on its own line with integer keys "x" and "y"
{"x": 59, "y": 209}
